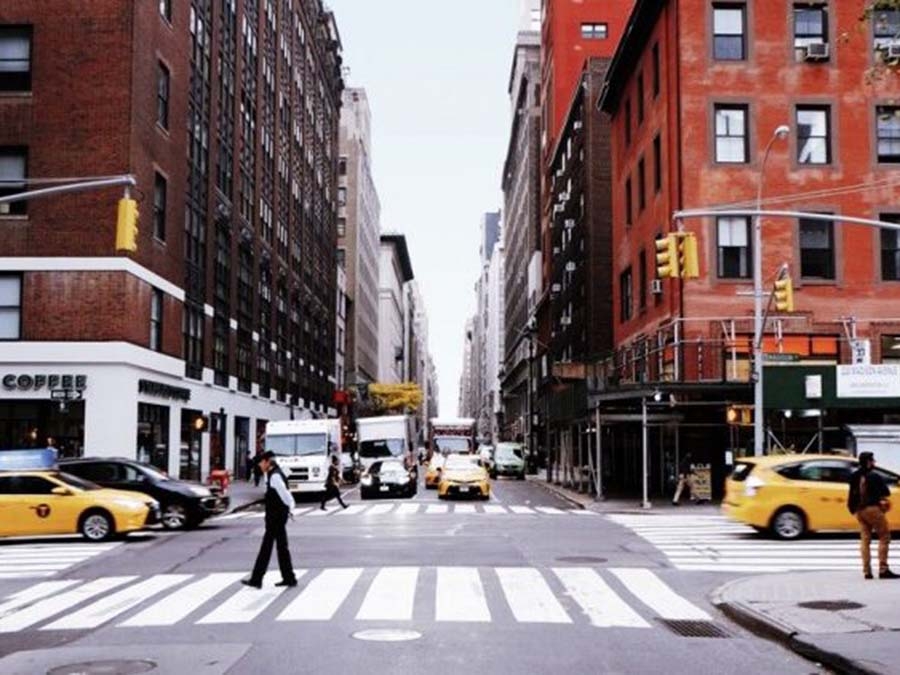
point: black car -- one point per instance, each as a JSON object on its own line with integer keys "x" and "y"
{"x": 183, "y": 504}
{"x": 387, "y": 478}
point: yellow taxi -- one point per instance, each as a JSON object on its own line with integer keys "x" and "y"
{"x": 790, "y": 495}
{"x": 44, "y": 501}
{"x": 463, "y": 477}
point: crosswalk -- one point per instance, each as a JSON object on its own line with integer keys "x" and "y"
{"x": 714, "y": 543}
{"x": 578, "y": 596}
{"x": 414, "y": 508}
{"x": 28, "y": 561}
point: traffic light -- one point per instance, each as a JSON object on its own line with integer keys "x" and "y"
{"x": 126, "y": 225}
{"x": 667, "y": 257}
{"x": 739, "y": 415}
{"x": 201, "y": 423}
{"x": 687, "y": 255}
{"x": 784, "y": 294}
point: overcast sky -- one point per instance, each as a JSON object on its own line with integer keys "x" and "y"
{"x": 436, "y": 74}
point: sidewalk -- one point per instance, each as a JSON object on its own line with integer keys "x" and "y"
{"x": 620, "y": 505}
{"x": 836, "y": 618}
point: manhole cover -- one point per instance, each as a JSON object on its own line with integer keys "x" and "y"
{"x": 387, "y": 635}
{"x": 118, "y": 667}
{"x": 581, "y": 559}
{"x": 831, "y": 605}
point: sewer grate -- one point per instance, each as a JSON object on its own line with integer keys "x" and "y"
{"x": 831, "y": 605}
{"x": 581, "y": 559}
{"x": 698, "y": 629}
{"x": 116, "y": 667}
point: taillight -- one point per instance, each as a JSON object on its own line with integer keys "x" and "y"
{"x": 752, "y": 485}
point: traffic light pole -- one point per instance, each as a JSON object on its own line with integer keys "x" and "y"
{"x": 78, "y": 186}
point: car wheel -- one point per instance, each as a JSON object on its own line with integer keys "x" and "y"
{"x": 97, "y": 526}
{"x": 789, "y": 523}
{"x": 175, "y": 517}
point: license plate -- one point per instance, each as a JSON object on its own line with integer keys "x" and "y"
{"x": 384, "y": 488}
{"x": 464, "y": 488}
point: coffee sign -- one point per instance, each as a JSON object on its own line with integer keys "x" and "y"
{"x": 26, "y": 382}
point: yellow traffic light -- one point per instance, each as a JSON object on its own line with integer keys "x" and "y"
{"x": 739, "y": 415}
{"x": 667, "y": 257}
{"x": 784, "y": 294}
{"x": 201, "y": 423}
{"x": 687, "y": 255}
{"x": 126, "y": 225}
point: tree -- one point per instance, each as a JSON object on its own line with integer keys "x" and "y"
{"x": 875, "y": 13}
{"x": 403, "y": 398}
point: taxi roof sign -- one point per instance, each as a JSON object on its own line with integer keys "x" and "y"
{"x": 28, "y": 460}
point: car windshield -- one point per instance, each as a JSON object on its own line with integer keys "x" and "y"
{"x": 392, "y": 467}
{"x": 76, "y": 482}
{"x": 392, "y": 447}
{"x": 460, "y": 462}
{"x": 447, "y": 444}
{"x": 291, "y": 445}
{"x": 508, "y": 452}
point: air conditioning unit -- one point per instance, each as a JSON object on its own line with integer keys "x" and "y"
{"x": 656, "y": 286}
{"x": 892, "y": 50}
{"x": 570, "y": 266}
{"x": 577, "y": 125}
{"x": 570, "y": 223}
{"x": 817, "y": 51}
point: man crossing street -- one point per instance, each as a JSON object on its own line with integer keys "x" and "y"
{"x": 279, "y": 503}
{"x": 869, "y": 501}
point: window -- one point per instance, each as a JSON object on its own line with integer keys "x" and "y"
{"x": 825, "y": 472}
{"x": 342, "y": 227}
{"x": 642, "y": 185}
{"x": 629, "y": 205}
{"x": 888, "y": 125}
{"x": 162, "y": 96}
{"x": 657, "y": 164}
{"x": 165, "y": 9}
{"x": 655, "y": 70}
{"x": 15, "y": 58}
{"x": 26, "y": 485}
{"x": 159, "y": 208}
{"x": 342, "y": 196}
{"x": 625, "y": 295}
{"x": 886, "y": 27}
{"x": 890, "y": 249}
{"x": 342, "y": 166}
{"x": 734, "y": 253}
{"x": 731, "y": 134}
{"x": 890, "y": 348}
{"x": 816, "y": 249}
{"x": 640, "y": 97}
{"x": 810, "y": 25}
{"x": 156, "y": 319}
{"x": 13, "y": 167}
{"x": 728, "y": 32}
{"x": 594, "y": 31}
{"x": 642, "y": 279}
{"x": 10, "y": 306}
{"x": 627, "y": 123}
{"x": 341, "y": 257}
{"x": 813, "y": 131}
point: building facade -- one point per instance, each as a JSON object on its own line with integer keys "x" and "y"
{"x": 681, "y": 142}
{"x": 358, "y": 230}
{"x": 340, "y": 330}
{"x": 467, "y": 404}
{"x": 395, "y": 272}
{"x": 227, "y": 116}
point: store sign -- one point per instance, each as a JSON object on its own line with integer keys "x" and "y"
{"x": 868, "y": 381}
{"x": 861, "y": 352}
{"x": 152, "y": 388}
{"x": 14, "y": 382}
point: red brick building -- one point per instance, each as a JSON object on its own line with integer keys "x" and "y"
{"x": 695, "y": 93}
{"x": 227, "y": 116}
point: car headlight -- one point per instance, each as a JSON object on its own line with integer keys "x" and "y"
{"x": 200, "y": 491}
{"x": 366, "y": 480}
{"x": 126, "y": 503}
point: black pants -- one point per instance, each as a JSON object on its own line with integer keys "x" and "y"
{"x": 275, "y": 534}
{"x": 332, "y": 492}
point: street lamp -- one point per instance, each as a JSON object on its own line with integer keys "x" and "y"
{"x": 780, "y": 133}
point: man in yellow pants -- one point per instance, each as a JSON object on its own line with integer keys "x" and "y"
{"x": 868, "y": 501}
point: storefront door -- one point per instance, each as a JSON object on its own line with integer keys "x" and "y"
{"x": 189, "y": 460}
{"x": 153, "y": 435}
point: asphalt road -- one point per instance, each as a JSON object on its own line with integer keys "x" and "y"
{"x": 523, "y": 583}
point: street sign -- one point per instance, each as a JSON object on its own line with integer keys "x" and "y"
{"x": 781, "y": 358}
{"x": 861, "y": 352}
{"x": 65, "y": 395}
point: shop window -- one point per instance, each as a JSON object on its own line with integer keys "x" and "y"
{"x": 153, "y": 435}
{"x": 189, "y": 452}
{"x": 10, "y": 307}
{"x": 731, "y": 134}
{"x": 15, "y": 58}
{"x": 13, "y": 167}
{"x": 816, "y": 249}
{"x": 729, "y": 32}
{"x": 813, "y": 134}
{"x": 888, "y": 125}
{"x": 734, "y": 252}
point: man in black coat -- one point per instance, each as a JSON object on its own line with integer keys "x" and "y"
{"x": 869, "y": 501}
{"x": 279, "y": 503}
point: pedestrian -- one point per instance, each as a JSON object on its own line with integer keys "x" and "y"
{"x": 685, "y": 478}
{"x": 869, "y": 501}
{"x": 279, "y": 503}
{"x": 250, "y": 465}
{"x": 333, "y": 483}
{"x": 257, "y": 471}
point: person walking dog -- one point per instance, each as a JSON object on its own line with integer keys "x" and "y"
{"x": 869, "y": 501}
{"x": 279, "y": 503}
{"x": 332, "y": 483}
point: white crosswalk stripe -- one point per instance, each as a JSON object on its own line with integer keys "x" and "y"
{"x": 714, "y": 543}
{"x": 418, "y": 508}
{"x": 459, "y": 595}
{"x": 30, "y": 561}
{"x": 391, "y": 595}
{"x": 529, "y": 596}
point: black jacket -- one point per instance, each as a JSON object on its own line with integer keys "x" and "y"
{"x": 276, "y": 510}
{"x": 876, "y": 490}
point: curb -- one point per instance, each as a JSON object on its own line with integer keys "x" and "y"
{"x": 770, "y": 629}
{"x": 559, "y": 492}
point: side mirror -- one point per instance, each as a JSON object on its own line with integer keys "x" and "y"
{"x": 61, "y": 491}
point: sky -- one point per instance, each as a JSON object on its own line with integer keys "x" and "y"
{"x": 436, "y": 74}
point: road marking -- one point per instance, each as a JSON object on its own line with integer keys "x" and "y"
{"x": 530, "y": 598}
{"x": 459, "y": 595}
{"x": 494, "y": 509}
{"x": 327, "y": 511}
{"x": 32, "y": 594}
{"x": 178, "y": 605}
{"x": 436, "y": 508}
{"x": 550, "y": 510}
{"x": 52, "y": 606}
{"x": 600, "y": 603}
{"x": 407, "y": 509}
{"x": 246, "y": 604}
{"x": 111, "y": 606}
{"x": 464, "y": 508}
{"x": 583, "y": 512}
{"x": 380, "y": 509}
{"x": 521, "y": 509}
{"x": 353, "y": 510}
{"x": 653, "y": 592}
{"x": 391, "y": 595}
{"x": 322, "y": 596}
{"x": 300, "y": 510}
{"x": 24, "y": 561}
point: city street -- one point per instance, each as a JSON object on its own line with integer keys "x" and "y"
{"x": 522, "y": 583}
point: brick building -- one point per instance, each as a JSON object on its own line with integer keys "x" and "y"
{"x": 227, "y": 115}
{"x": 695, "y": 92}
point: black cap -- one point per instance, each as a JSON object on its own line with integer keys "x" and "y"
{"x": 268, "y": 454}
{"x": 865, "y": 458}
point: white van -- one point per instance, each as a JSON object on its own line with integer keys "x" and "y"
{"x": 304, "y": 449}
{"x": 390, "y": 436}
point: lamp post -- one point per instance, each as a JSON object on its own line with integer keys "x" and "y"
{"x": 758, "y": 442}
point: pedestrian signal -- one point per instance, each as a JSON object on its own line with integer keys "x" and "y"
{"x": 784, "y": 294}
{"x": 667, "y": 257}
{"x": 126, "y": 225}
